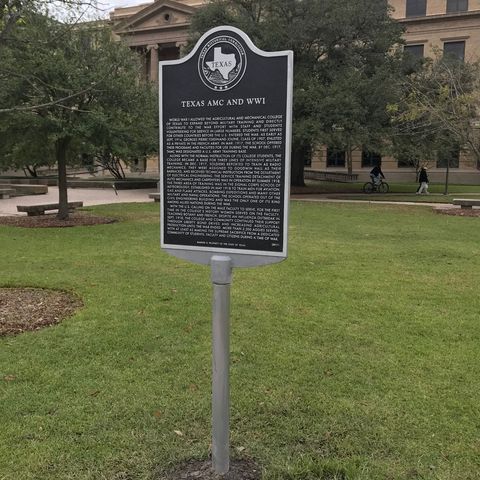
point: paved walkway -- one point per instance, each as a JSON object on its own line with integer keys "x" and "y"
{"x": 102, "y": 196}
{"x": 89, "y": 196}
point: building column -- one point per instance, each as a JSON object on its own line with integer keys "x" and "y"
{"x": 180, "y": 46}
{"x": 153, "y": 49}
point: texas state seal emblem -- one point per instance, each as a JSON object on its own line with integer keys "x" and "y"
{"x": 222, "y": 63}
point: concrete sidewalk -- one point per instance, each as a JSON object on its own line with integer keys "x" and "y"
{"x": 89, "y": 196}
{"x": 103, "y": 196}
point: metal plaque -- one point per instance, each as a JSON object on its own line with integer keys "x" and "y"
{"x": 225, "y": 141}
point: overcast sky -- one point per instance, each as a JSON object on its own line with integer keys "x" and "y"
{"x": 109, "y": 5}
{"x": 102, "y": 10}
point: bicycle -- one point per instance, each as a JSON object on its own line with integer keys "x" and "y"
{"x": 371, "y": 187}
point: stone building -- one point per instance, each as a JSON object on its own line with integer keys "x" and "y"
{"x": 158, "y": 30}
{"x": 451, "y": 26}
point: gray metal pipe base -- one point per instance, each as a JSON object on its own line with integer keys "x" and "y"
{"x": 221, "y": 279}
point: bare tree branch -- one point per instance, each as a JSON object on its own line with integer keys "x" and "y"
{"x": 46, "y": 105}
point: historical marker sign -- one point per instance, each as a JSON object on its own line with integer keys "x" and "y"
{"x": 225, "y": 139}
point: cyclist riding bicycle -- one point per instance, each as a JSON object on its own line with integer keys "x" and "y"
{"x": 376, "y": 175}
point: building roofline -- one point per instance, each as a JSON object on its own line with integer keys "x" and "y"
{"x": 125, "y": 25}
{"x": 439, "y": 17}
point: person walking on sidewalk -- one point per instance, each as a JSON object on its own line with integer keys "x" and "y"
{"x": 423, "y": 180}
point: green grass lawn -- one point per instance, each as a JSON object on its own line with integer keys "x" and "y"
{"x": 357, "y": 358}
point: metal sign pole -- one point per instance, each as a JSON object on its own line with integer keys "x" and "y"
{"x": 221, "y": 279}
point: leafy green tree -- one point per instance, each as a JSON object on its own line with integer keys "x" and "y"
{"x": 11, "y": 15}
{"x": 15, "y": 13}
{"x": 124, "y": 135}
{"x": 340, "y": 52}
{"x": 23, "y": 144}
{"x": 439, "y": 109}
{"x": 354, "y": 113}
{"x": 71, "y": 91}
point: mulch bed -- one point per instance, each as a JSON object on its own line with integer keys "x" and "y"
{"x": 29, "y": 309}
{"x": 460, "y": 212}
{"x": 51, "y": 220}
{"x": 202, "y": 470}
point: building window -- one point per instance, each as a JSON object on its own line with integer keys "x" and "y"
{"x": 414, "y": 50}
{"x": 370, "y": 159}
{"x": 416, "y": 8}
{"x": 413, "y": 58}
{"x": 307, "y": 156}
{"x": 457, "y": 6}
{"x": 335, "y": 158}
{"x": 448, "y": 156}
{"x": 454, "y": 50}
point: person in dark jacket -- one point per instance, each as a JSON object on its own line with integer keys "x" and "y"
{"x": 423, "y": 180}
{"x": 376, "y": 173}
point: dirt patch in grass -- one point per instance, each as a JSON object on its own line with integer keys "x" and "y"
{"x": 51, "y": 220}
{"x": 460, "y": 212}
{"x": 202, "y": 470}
{"x": 27, "y": 309}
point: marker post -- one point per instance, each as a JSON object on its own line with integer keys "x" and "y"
{"x": 221, "y": 268}
{"x": 225, "y": 142}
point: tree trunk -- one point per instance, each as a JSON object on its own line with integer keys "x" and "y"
{"x": 447, "y": 174}
{"x": 417, "y": 171}
{"x": 112, "y": 164}
{"x": 30, "y": 171}
{"x": 61, "y": 157}
{"x": 297, "y": 178}
{"x": 476, "y": 154}
{"x": 349, "y": 160}
{"x": 120, "y": 169}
